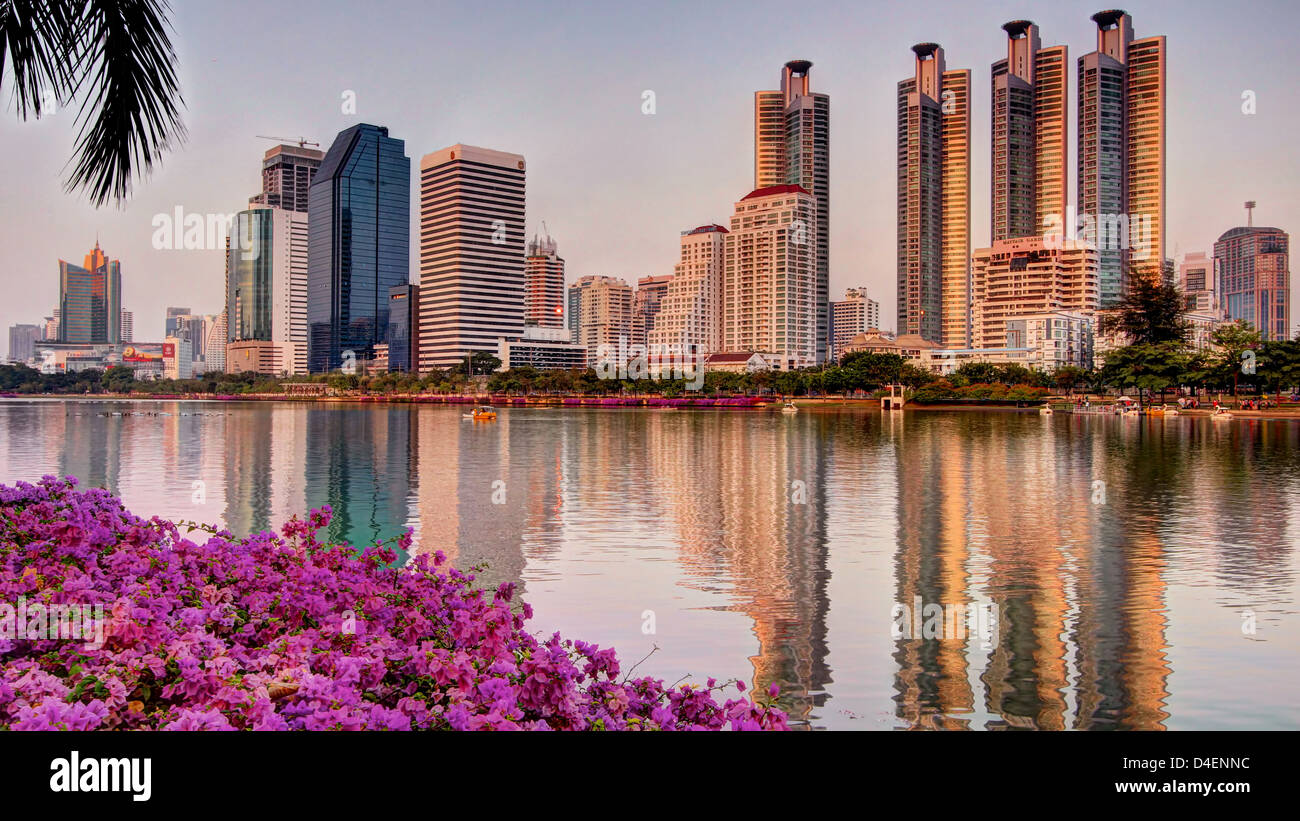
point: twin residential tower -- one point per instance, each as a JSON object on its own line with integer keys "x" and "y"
{"x": 1120, "y": 210}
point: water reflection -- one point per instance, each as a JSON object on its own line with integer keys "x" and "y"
{"x": 1122, "y": 555}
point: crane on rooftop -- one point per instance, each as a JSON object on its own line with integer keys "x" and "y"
{"x": 301, "y": 141}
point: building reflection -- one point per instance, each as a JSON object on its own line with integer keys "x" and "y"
{"x": 1006, "y": 511}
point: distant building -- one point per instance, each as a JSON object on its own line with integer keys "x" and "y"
{"x": 792, "y": 137}
{"x": 178, "y": 358}
{"x": 287, "y": 174}
{"x": 403, "y": 327}
{"x": 471, "y": 252}
{"x": 1198, "y": 280}
{"x": 215, "y": 344}
{"x": 690, "y": 310}
{"x": 1121, "y": 152}
{"x": 648, "y": 301}
{"x": 1030, "y": 109}
{"x": 358, "y": 244}
{"x": 737, "y": 362}
{"x": 52, "y": 325}
{"x": 90, "y": 299}
{"x": 604, "y": 312}
{"x": 1255, "y": 272}
{"x": 854, "y": 314}
{"x": 22, "y": 342}
{"x": 267, "y": 288}
{"x": 1018, "y": 278}
{"x": 770, "y": 283}
{"x": 543, "y": 349}
{"x": 128, "y": 327}
{"x": 543, "y": 284}
{"x": 934, "y": 161}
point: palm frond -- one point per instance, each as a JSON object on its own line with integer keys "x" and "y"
{"x": 37, "y": 37}
{"x": 131, "y": 112}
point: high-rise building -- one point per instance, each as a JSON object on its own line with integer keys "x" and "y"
{"x": 690, "y": 311}
{"x": 267, "y": 289}
{"x": 1199, "y": 283}
{"x": 178, "y": 358}
{"x": 471, "y": 252}
{"x": 22, "y": 342}
{"x": 1121, "y": 155}
{"x": 90, "y": 299}
{"x": 604, "y": 312}
{"x": 543, "y": 284}
{"x": 770, "y": 276}
{"x": 215, "y": 344}
{"x": 853, "y": 315}
{"x": 646, "y": 305}
{"x": 52, "y": 325}
{"x": 1255, "y": 272}
{"x": 792, "y": 146}
{"x": 128, "y": 327}
{"x": 287, "y": 172}
{"x": 358, "y": 245}
{"x": 934, "y": 200}
{"x": 403, "y": 327}
{"x": 1029, "y": 130}
{"x": 175, "y": 318}
{"x": 1028, "y": 276}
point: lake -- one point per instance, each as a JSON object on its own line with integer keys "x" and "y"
{"x": 920, "y": 569}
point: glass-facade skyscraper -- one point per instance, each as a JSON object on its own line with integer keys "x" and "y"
{"x": 90, "y": 299}
{"x": 358, "y": 245}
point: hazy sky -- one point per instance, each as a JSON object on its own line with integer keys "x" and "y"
{"x": 562, "y": 83}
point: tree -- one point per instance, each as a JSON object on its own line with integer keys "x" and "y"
{"x": 1279, "y": 364}
{"x": 974, "y": 373}
{"x": 1233, "y": 340}
{"x": 116, "y": 56}
{"x": 1150, "y": 313}
{"x": 118, "y": 379}
{"x": 1068, "y": 377}
{"x": 1147, "y": 367}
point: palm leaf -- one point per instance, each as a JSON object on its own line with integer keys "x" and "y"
{"x": 131, "y": 113}
{"x": 36, "y": 37}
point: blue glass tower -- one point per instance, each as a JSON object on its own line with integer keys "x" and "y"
{"x": 358, "y": 244}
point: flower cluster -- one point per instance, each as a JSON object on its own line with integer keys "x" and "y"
{"x": 277, "y": 632}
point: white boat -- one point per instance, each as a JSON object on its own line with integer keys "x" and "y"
{"x": 789, "y": 408}
{"x": 1221, "y": 413}
{"x": 1171, "y": 410}
{"x": 1046, "y": 410}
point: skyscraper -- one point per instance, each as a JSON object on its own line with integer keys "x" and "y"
{"x": 792, "y": 129}
{"x": 471, "y": 252}
{"x": 90, "y": 299}
{"x": 128, "y": 327}
{"x": 266, "y": 296}
{"x": 543, "y": 284}
{"x": 934, "y": 200}
{"x": 690, "y": 313}
{"x": 770, "y": 282}
{"x": 1122, "y": 152}
{"x": 1255, "y": 272}
{"x": 358, "y": 245}
{"x": 287, "y": 172}
{"x": 1029, "y": 130}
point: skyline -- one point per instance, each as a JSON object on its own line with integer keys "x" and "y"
{"x": 618, "y": 205}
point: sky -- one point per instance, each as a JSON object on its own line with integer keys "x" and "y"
{"x": 563, "y": 85}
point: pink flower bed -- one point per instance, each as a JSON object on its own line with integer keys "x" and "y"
{"x": 283, "y": 632}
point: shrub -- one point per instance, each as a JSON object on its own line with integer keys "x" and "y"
{"x": 276, "y": 632}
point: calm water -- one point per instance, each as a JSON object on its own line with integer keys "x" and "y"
{"x": 1144, "y": 571}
